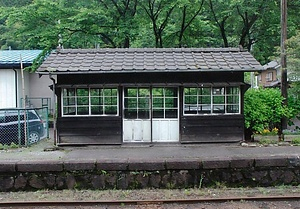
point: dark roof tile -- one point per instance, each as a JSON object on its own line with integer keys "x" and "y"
{"x": 149, "y": 59}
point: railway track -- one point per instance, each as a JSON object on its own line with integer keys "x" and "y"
{"x": 29, "y": 204}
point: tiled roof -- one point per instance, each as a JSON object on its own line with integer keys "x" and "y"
{"x": 149, "y": 60}
{"x": 272, "y": 65}
{"x": 11, "y": 58}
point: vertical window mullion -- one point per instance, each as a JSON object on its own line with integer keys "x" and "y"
{"x": 75, "y": 95}
{"x": 90, "y": 103}
{"x": 211, "y": 100}
{"x": 225, "y": 102}
{"x": 104, "y": 103}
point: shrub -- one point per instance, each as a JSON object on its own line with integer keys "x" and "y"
{"x": 263, "y": 110}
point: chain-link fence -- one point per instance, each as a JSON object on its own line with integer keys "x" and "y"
{"x": 37, "y": 102}
{"x": 23, "y": 127}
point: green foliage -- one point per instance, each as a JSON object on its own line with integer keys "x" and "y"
{"x": 266, "y": 141}
{"x": 44, "y": 24}
{"x": 296, "y": 141}
{"x": 264, "y": 110}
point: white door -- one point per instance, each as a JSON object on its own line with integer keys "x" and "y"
{"x": 136, "y": 115}
{"x": 165, "y": 122}
{"x": 150, "y": 115}
{"x": 7, "y": 88}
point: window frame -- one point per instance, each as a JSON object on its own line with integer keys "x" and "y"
{"x": 89, "y": 104}
{"x": 269, "y": 76}
{"x": 226, "y": 104}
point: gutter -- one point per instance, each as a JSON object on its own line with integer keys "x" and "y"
{"x": 16, "y": 86}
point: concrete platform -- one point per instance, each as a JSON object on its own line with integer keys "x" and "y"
{"x": 45, "y": 151}
{"x": 43, "y": 166}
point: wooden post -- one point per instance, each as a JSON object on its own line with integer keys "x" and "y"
{"x": 284, "y": 85}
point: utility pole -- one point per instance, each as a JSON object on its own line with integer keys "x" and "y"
{"x": 284, "y": 85}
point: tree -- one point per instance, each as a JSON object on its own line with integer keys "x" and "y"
{"x": 185, "y": 22}
{"x": 159, "y": 13}
{"x": 221, "y": 12}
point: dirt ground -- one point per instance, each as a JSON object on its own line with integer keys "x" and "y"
{"x": 157, "y": 194}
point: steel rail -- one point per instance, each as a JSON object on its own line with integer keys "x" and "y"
{"x": 146, "y": 202}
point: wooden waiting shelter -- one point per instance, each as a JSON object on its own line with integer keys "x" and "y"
{"x": 149, "y": 95}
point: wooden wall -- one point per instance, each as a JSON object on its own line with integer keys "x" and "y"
{"x": 89, "y": 130}
{"x": 215, "y": 128}
{"x": 108, "y": 129}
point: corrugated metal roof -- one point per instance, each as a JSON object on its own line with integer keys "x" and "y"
{"x": 149, "y": 60}
{"x": 11, "y": 58}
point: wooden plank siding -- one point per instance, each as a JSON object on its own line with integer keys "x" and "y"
{"x": 215, "y": 128}
{"x": 90, "y": 130}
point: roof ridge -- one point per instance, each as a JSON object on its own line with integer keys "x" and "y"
{"x": 143, "y": 50}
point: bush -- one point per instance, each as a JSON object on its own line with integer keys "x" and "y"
{"x": 263, "y": 110}
{"x": 296, "y": 141}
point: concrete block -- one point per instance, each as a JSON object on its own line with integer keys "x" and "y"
{"x": 241, "y": 163}
{"x": 180, "y": 164}
{"x": 216, "y": 163}
{"x": 39, "y": 166}
{"x": 112, "y": 165}
{"x": 7, "y": 167}
{"x": 79, "y": 165}
{"x": 271, "y": 162}
{"x": 134, "y": 165}
{"x": 294, "y": 161}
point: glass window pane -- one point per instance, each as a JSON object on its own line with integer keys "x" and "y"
{"x": 158, "y": 113}
{"x": 204, "y": 91}
{"x": 219, "y": 109}
{"x": 204, "y": 100}
{"x": 96, "y": 100}
{"x": 131, "y": 92}
{"x": 204, "y": 109}
{"x": 190, "y": 109}
{"x": 157, "y": 92}
{"x": 232, "y": 90}
{"x": 143, "y": 113}
{"x": 96, "y": 92}
{"x": 233, "y": 109}
{"x": 82, "y": 110}
{"x": 110, "y": 100}
{"x": 218, "y": 99}
{"x": 232, "y": 99}
{"x": 130, "y": 103}
{"x": 218, "y": 91}
{"x": 170, "y": 92}
{"x": 69, "y": 110}
{"x": 82, "y": 92}
{"x": 158, "y": 103}
{"x": 144, "y": 103}
{"x": 82, "y": 101}
{"x": 190, "y": 99}
{"x": 171, "y": 113}
{"x": 171, "y": 102}
{"x": 69, "y": 101}
{"x": 97, "y": 110}
{"x": 68, "y": 92}
{"x": 190, "y": 91}
{"x": 144, "y": 92}
{"x": 114, "y": 92}
{"x": 130, "y": 113}
{"x": 110, "y": 110}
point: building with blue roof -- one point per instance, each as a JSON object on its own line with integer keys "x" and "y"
{"x": 11, "y": 93}
{"x": 12, "y": 58}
